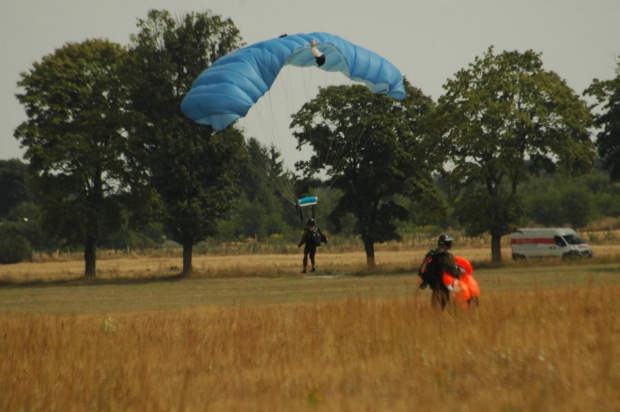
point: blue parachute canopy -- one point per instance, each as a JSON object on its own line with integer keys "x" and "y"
{"x": 229, "y": 87}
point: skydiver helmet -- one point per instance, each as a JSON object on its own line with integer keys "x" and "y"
{"x": 445, "y": 240}
{"x": 310, "y": 222}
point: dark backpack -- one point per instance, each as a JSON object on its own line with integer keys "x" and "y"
{"x": 430, "y": 272}
{"x": 316, "y": 237}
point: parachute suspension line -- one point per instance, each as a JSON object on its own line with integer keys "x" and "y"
{"x": 300, "y": 213}
{"x": 267, "y": 121}
{"x": 336, "y": 157}
{"x": 272, "y": 115}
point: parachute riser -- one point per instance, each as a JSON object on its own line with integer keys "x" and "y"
{"x": 307, "y": 201}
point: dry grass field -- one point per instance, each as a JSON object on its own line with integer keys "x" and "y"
{"x": 268, "y": 265}
{"x": 249, "y": 333}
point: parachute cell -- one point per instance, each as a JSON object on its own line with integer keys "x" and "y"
{"x": 227, "y": 90}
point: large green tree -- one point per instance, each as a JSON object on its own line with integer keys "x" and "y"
{"x": 607, "y": 94}
{"x": 193, "y": 168}
{"x": 75, "y": 139}
{"x": 500, "y": 112}
{"x": 370, "y": 148}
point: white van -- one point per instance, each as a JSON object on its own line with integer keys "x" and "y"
{"x": 558, "y": 242}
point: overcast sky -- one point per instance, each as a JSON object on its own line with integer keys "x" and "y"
{"x": 428, "y": 40}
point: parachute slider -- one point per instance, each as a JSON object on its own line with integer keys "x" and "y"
{"x": 307, "y": 201}
{"x": 318, "y": 56}
{"x": 311, "y": 201}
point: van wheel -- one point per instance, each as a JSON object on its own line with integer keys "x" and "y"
{"x": 516, "y": 256}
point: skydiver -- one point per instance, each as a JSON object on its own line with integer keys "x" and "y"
{"x": 311, "y": 242}
{"x": 318, "y": 56}
{"x": 445, "y": 264}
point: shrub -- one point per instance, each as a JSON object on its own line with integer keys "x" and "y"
{"x": 14, "y": 248}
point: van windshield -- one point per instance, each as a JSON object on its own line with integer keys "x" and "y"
{"x": 573, "y": 240}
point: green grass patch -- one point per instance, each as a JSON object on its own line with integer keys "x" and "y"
{"x": 125, "y": 295}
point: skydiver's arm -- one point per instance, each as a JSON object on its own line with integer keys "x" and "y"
{"x": 303, "y": 239}
{"x": 450, "y": 266}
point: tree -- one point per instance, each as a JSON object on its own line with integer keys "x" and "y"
{"x": 501, "y": 111}
{"x": 14, "y": 185}
{"x": 76, "y": 140}
{"x": 577, "y": 206}
{"x": 542, "y": 201}
{"x": 193, "y": 169}
{"x": 376, "y": 140}
{"x": 607, "y": 94}
{"x": 559, "y": 200}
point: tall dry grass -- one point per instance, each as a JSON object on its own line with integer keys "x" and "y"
{"x": 521, "y": 350}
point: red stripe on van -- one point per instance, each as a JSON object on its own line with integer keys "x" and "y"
{"x": 533, "y": 240}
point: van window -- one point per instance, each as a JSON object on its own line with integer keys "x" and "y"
{"x": 559, "y": 241}
{"x": 574, "y": 240}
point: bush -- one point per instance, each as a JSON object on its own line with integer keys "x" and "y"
{"x": 13, "y": 248}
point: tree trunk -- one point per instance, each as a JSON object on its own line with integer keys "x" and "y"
{"x": 496, "y": 247}
{"x": 369, "y": 247}
{"x": 187, "y": 258}
{"x": 90, "y": 257}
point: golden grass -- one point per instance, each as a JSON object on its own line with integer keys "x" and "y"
{"x": 268, "y": 265}
{"x": 543, "y": 339}
{"x": 521, "y": 350}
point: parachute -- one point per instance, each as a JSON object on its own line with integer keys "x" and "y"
{"x": 233, "y": 85}
{"x": 226, "y": 90}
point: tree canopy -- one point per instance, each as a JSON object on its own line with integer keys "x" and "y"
{"x": 366, "y": 144}
{"x": 496, "y": 114}
{"x": 76, "y": 139}
{"x": 192, "y": 168}
{"x": 607, "y": 94}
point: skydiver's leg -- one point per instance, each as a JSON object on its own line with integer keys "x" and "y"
{"x": 445, "y": 297}
{"x": 320, "y": 60}
{"x": 312, "y": 253}
{"x": 436, "y": 299}
{"x": 440, "y": 297}
{"x": 306, "y": 252}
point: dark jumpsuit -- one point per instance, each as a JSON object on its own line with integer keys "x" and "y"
{"x": 441, "y": 294}
{"x": 309, "y": 249}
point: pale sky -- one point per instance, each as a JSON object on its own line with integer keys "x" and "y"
{"x": 428, "y": 40}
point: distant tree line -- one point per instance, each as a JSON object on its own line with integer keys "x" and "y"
{"x": 111, "y": 162}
